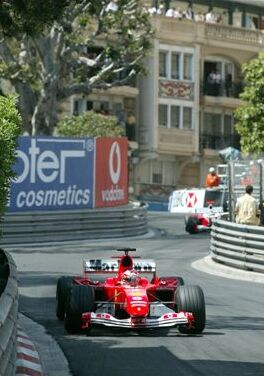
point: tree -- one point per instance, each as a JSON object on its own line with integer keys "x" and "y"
{"x": 94, "y": 45}
{"x": 89, "y": 124}
{"x": 28, "y": 16}
{"x": 250, "y": 115}
{"x": 10, "y": 128}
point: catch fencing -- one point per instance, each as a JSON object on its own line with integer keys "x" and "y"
{"x": 8, "y": 315}
{"x": 237, "y": 175}
{"x": 238, "y": 246}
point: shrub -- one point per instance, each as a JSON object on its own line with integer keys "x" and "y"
{"x": 90, "y": 124}
{"x": 10, "y": 128}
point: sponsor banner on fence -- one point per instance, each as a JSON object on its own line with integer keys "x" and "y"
{"x": 111, "y": 185}
{"x": 186, "y": 201}
{"x": 52, "y": 174}
{"x": 197, "y": 200}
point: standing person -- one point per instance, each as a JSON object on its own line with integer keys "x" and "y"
{"x": 212, "y": 179}
{"x": 246, "y": 209}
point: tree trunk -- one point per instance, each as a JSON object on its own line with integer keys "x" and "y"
{"x": 27, "y": 101}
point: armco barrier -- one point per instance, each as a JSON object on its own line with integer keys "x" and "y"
{"x": 8, "y": 316}
{"x": 40, "y": 227}
{"x": 239, "y": 246}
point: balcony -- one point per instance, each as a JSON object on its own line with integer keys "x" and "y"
{"x": 223, "y": 89}
{"x": 214, "y": 35}
{"x": 218, "y": 142}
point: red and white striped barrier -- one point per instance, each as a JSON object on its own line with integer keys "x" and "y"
{"x": 28, "y": 361}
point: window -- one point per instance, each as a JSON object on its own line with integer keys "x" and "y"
{"x": 89, "y": 105}
{"x": 228, "y": 125}
{"x": 163, "y": 64}
{"x": 175, "y": 117}
{"x": 156, "y": 168}
{"x": 175, "y": 65}
{"x": 212, "y": 124}
{"x": 187, "y": 118}
{"x": 187, "y": 67}
{"x": 76, "y": 107}
{"x": 163, "y": 115}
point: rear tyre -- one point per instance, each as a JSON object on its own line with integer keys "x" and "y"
{"x": 191, "y": 225}
{"x": 191, "y": 299}
{"x": 81, "y": 300}
{"x": 64, "y": 285}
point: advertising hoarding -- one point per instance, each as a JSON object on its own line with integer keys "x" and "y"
{"x": 111, "y": 175}
{"x": 52, "y": 174}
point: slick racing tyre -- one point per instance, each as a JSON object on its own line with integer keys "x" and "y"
{"x": 81, "y": 300}
{"x": 64, "y": 285}
{"x": 191, "y": 299}
{"x": 3, "y": 282}
{"x": 191, "y": 225}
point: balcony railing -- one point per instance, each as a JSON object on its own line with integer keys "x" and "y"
{"x": 223, "y": 89}
{"x": 209, "y": 141}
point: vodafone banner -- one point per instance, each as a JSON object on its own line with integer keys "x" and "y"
{"x": 111, "y": 175}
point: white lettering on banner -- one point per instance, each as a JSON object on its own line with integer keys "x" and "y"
{"x": 115, "y": 175}
{"x": 113, "y": 194}
{"x": 38, "y": 164}
{"x": 69, "y": 196}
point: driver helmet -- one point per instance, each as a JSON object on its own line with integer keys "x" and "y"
{"x": 130, "y": 276}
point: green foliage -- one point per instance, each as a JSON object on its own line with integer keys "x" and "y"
{"x": 90, "y": 124}
{"x": 10, "y": 129}
{"x": 250, "y": 115}
{"x": 29, "y": 16}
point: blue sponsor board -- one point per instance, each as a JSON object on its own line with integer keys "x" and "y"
{"x": 52, "y": 174}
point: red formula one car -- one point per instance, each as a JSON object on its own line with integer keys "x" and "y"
{"x": 132, "y": 297}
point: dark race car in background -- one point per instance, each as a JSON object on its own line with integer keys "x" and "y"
{"x": 131, "y": 296}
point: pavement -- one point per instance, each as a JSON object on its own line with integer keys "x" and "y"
{"x": 40, "y": 355}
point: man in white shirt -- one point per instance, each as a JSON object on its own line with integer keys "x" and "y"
{"x": 246, "y": 209}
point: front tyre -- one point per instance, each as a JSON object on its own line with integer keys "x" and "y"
{"x": 191, "y": 299}
{"x": 81, "y": 300}
{"x": 64, "y": 285}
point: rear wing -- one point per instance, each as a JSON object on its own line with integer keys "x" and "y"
{"x": 112, "y": 266}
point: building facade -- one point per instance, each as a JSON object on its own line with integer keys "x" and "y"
{"x": 182, "y": 112}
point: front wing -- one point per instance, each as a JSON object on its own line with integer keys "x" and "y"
{"x": 166, "y": 320}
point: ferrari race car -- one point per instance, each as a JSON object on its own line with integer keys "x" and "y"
{"x": 202, "y": 221}
{"x": 130, "y": 296}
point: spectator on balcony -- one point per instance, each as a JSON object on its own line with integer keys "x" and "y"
{"x": 213, "y": 83}
{"x": 199, "y": 17}
{"x": 246, "y": 209}
{"x": 161, "y": 10}
{"x": 152, "y": 11}
{"x": 210, "y": 17}
{"x": 178, "y": 14}
{"x": 170, "y": 12}
{"x": 188, "y": 14}
{"x": 212, "y": 179}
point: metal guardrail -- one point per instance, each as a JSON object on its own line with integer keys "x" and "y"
{"x": 59, "y": 226}
{"x": 239, "y": 246}
{"x": 8, "y": 316}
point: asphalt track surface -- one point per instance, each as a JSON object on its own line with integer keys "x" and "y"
{"x": 232, "y": 343}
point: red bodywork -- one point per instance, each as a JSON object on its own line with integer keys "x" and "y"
{"x": 149, "y": 303}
